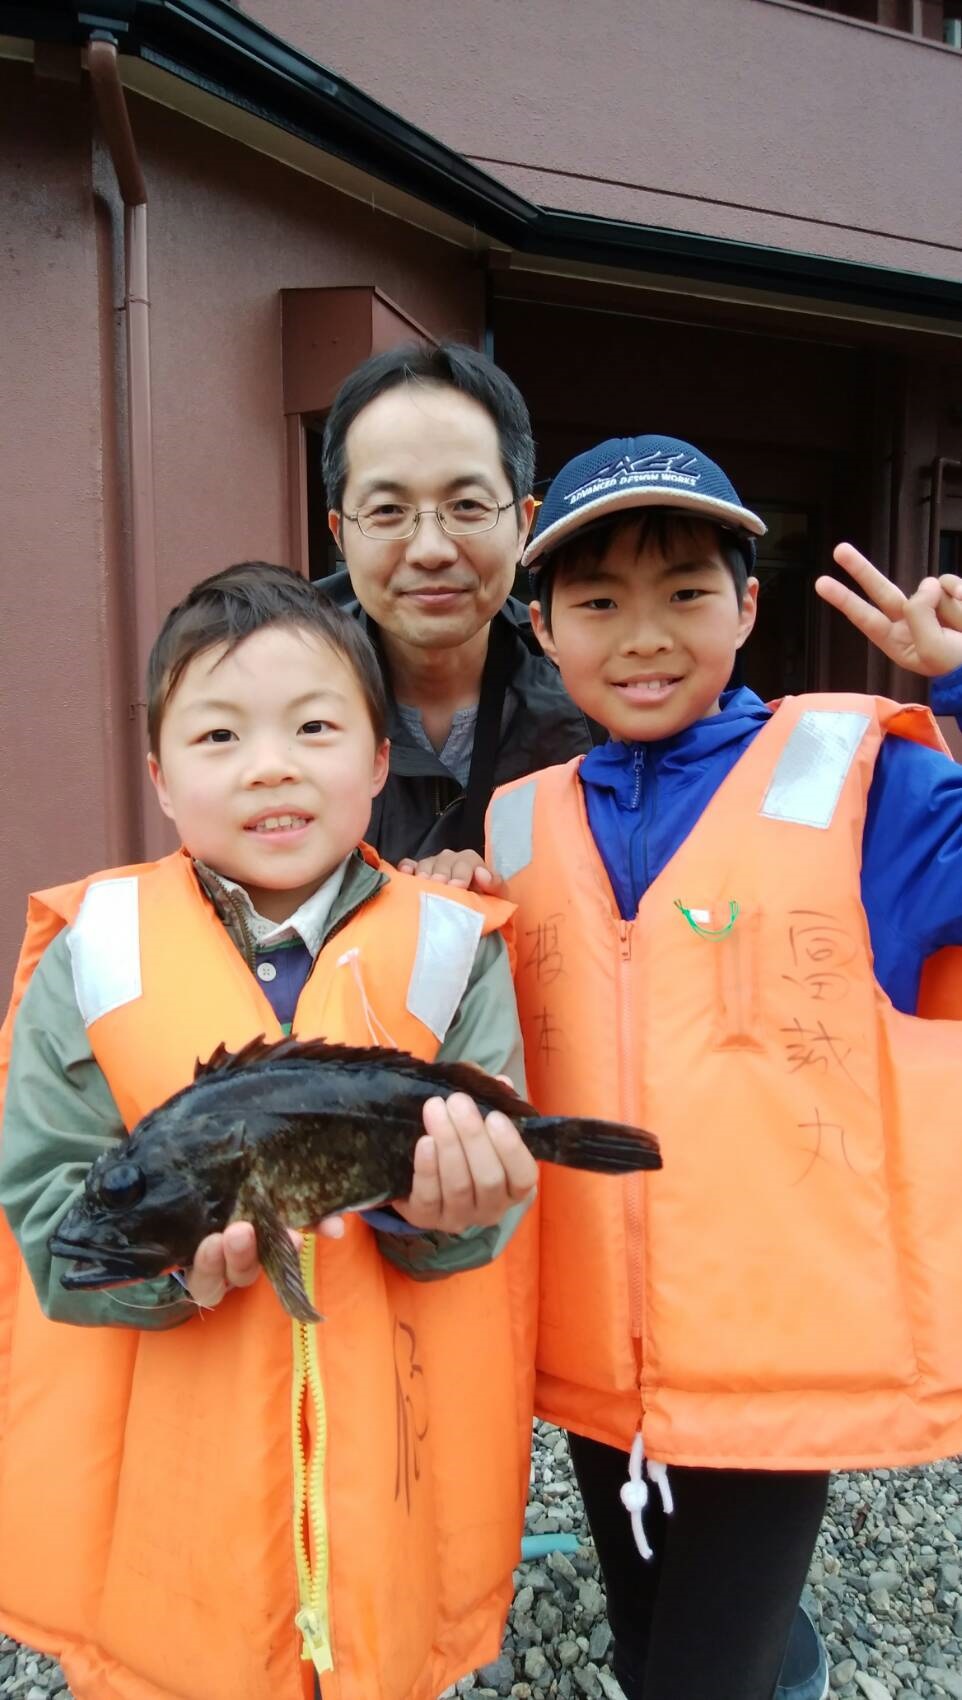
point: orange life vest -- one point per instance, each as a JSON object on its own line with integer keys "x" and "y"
{"x": 147, "y": 1479}
{"x": 787, "y": 1291}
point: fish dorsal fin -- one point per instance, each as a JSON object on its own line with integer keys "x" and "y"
{"x": 259, "y": 1052}
{"x": 252, "y": 1055}
{"x": 457, "y": 1077}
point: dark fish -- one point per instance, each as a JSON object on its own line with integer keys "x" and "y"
{"x": 281, "y": 1135}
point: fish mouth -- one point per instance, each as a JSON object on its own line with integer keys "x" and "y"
{"x": 105, "y": 1269}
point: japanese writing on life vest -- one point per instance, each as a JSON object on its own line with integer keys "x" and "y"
{"x": 542, "y": 957}
{"x": 821, "y": 953}
{"x": 543, "y": 950}
{"x": 411, "y": 1423}
{"x": 827, "y": 1143}
{"x": 819, "y": 1033}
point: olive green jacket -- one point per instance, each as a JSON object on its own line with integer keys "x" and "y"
{"x": 59, "y": 1115}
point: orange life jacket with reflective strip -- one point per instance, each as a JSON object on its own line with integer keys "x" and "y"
{"x": 787, "y": 1291}
{"x": 147, "y": 1479}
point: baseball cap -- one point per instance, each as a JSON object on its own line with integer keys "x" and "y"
{"x": 639, "y": 472}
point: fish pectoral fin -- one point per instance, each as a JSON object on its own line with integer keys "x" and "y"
{"x": 281, "y": 1262}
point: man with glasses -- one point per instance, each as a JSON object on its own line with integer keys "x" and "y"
{"x": 428, "y": 464}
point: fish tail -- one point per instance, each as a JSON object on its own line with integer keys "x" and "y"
{"x": 604, "y": 1148}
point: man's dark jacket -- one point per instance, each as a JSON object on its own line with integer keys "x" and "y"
{"x": 423, "y": 807}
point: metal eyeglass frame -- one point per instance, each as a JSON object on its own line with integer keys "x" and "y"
{"x": 405, "y": 536}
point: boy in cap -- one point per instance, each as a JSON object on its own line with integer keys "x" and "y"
{"x": 730, "y": 919}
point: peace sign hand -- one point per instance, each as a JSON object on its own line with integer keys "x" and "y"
{"x": 922, "y": 632}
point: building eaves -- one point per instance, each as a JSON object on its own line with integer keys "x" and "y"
{"x": 221, "y": 50}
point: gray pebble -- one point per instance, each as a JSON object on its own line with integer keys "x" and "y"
{"x": 535, "y": 1664}
{"x": 499, "y": 1675}
{"x": 600, "y": 1640}
{"x": 871, "y": 1687}
{"x": 610, "y": 1687}
{"x": 586, "y": 1680}
{"x": 591, "y": 1597}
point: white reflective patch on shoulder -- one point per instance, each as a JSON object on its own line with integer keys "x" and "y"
{"x": 512, "y": 830}
{"x": 813, "y": 766}
{"x": 448, "y": 936}
{"x": 104, "y": 946}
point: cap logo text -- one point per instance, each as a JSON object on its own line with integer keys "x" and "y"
{"x": 658, "y": 467}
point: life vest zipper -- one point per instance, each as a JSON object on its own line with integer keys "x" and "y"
{"x": 641, "y": 803}
{"x": 310, "y": 1520}
{"x": 634, "y": 1186}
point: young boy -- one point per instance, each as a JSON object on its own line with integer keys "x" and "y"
{"x": 150, "y": 1463}
{"x": 718, "y": 911}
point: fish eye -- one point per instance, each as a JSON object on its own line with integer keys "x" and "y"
{"x": 123, "y": 1184}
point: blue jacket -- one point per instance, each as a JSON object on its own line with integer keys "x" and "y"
{"x": 644, "y": 799}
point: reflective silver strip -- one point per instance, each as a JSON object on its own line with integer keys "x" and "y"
{"x": 512, "y": 830}
{"x": 104, "y": 946}
{"x": 813, "y": 766}
{"x": 448, "y": 935}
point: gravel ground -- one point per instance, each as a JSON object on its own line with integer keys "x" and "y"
{"x": 885, "y": 1590}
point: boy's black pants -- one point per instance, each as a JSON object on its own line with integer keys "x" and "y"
{"x": 708, "y": 1617}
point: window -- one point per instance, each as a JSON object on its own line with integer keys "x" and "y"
{"x": 934, "y": 20}
{"x": 323, "y": 554}
{"x": 781, "y": 655}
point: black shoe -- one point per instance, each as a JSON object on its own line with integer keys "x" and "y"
{"x": 804, "y": 1672}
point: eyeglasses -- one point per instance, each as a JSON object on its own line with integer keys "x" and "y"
{"x": 394, "y": 522}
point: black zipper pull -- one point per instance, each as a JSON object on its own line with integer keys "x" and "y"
{"x": 639, "y": 761}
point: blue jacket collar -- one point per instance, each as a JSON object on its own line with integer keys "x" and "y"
{"x": 611, "y": 767}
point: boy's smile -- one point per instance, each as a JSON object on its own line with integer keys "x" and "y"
{"x": 268, "y": 764}
{"x": 646, "y": 641}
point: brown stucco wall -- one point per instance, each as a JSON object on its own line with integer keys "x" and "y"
{"x": 739, "y": 118}
{"x": 53, "y": 552}
{"x": 228, "y": 230}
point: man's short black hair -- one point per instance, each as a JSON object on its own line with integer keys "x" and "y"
{"x": 655, "y": 528}
{"x": 229, "y": 606}
{"x": 451, "y": 365}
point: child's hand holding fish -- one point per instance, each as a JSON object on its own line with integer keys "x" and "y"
{"x": 468, "y": 1171}
{"x": 230, "y": 1259}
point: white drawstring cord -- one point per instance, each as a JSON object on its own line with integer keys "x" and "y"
{"x": 658, "y": 1473}
{"x": 634, "y": 1492}
{"x": 168, "y": 1304}
{"x": 352, "y": 959}
{"x": 634, "y": 1496}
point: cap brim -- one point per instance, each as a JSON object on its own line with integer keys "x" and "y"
{"x": 710, "y": 508}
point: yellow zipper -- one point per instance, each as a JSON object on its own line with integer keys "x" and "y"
{"x": 310, "y": 1521}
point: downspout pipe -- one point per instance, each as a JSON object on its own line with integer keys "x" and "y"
{"x": 111, "y": 103}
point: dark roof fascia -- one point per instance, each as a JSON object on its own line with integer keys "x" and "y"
{"x": 222, "y": 50}
{"x": 715, "y": 259}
